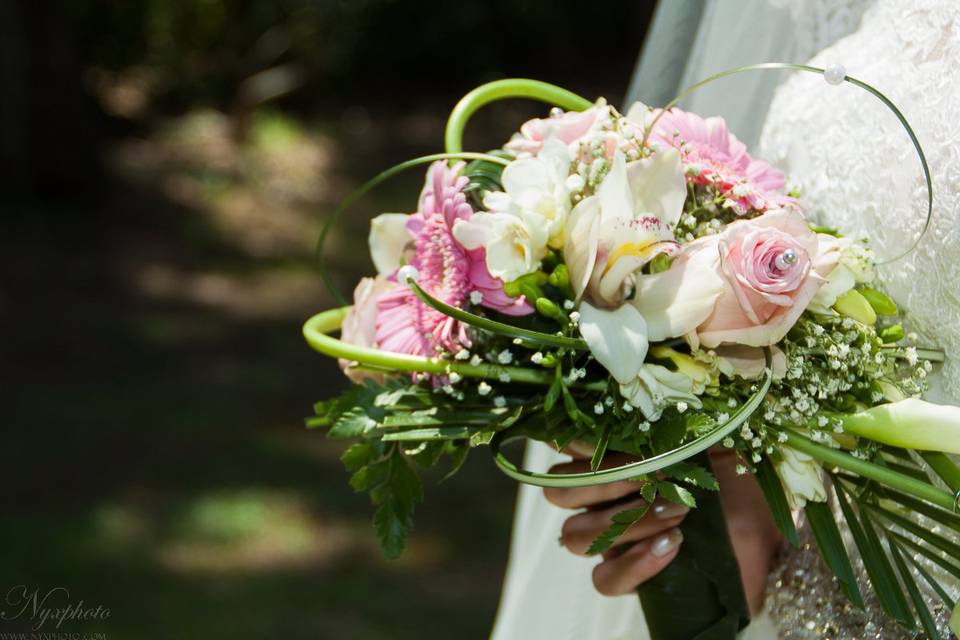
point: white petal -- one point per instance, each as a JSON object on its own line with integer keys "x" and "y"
{"x": 658, "y": 185}
{"x": 616, "y": 201}
{"x": 555, "y": 155}
{"x": 640, "y": 114}
{"x": 581, "y": 239}
{"x": 497, "y": 201}
{"x": 388, "y": 238}
{"x": 526, "y": 173}
{"x": 617, "y": 339}
{"x": 674, "y": 302}
{"x": 838, "y": 283}
{"x": 476, "y": 232}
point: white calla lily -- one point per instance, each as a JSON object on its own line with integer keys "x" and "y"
{"x": 388, "y": 240}
{"x": 617, "y": 339}
{"x": 910, "y": 423}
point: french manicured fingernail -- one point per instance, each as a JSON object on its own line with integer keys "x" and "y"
{"x": 666, "y": 542}
{"x": 668, "y": 510}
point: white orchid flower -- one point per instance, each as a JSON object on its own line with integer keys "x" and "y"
{"x": 388, "y": 240}
{"x": 612, "y": 234}
{"x": 617, "y": 339}
{"x": 676, "y": 301}
{"x": 800, "y": 475}
{"x": 655, "y": 388}
{"x": 537, "y": 185}
{"x": 514, "y": 245}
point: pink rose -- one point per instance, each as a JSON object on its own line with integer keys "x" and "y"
{"x": 360, "y": 324}
{"x": 746, "y": 285}
{"x": 568, "y": 127}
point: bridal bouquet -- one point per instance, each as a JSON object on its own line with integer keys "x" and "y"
{"x": 639, "y": 283}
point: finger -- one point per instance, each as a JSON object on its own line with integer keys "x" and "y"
{"x": 637, "y": 564}
{"x": 579, "y": 531}
{"x": 574, "y": 498}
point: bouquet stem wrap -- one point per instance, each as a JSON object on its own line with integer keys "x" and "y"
{"x": 699, "y": 595}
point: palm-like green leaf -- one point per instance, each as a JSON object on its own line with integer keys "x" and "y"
{"x": 834, "y": 553}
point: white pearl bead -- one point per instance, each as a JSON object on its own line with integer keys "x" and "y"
{"x": 407, "y": 272}
{"x": 835, "y": 73}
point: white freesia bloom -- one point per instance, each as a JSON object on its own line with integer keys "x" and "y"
{"x": 910, "y": 423}
{"x": 514, "y": 245}
{"x": 617, "y": 339}
{"x": 800, "y": 475}
{"x": 612, "y": 234}
{"x": 537, "y": 186}
{"x": 388, "y": 240}
{"x": 656, "y": 387}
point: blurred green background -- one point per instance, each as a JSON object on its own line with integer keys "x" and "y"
{"x": 166, "y": 166}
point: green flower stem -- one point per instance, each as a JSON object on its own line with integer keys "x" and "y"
{"x": 634, "y": 469}
{"x": 499, "y": 90}
{"x": 366, "y": 187}
{"x": 315, "y": 330}
{"x": 883, "y": 475}
{"x": 493, "y": 326}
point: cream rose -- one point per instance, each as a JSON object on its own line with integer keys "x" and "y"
{"x": 747, "y": 285}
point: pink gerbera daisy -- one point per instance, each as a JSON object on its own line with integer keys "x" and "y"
{"x": 713, "y": 156}
{"x": 446, "y": 270}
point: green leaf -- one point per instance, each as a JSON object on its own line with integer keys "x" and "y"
{"x": 948, "y": 601}
{"x": 553, "y": 394}
{"x": 429, "y": 454}
{"x": 692, "y": 474}
{"x": 926, "y": 619}
{"x": 669, "y": 433}
{"x": 889, "y": 591}
{"x": 356, "y": 456}
{"x": 930, "y": 555}
{"x": 649, "y": 492}
{"x": 620, "y": 523}
{"x": 600, "y": 449}
{"x": 874, "y": 560}
{"x": 947, "y": 546}
{"x": 458, "y": 455}
{"x": 830, "y": 543}
{"x": 772, "y": 489}
{"x": 352, "y": 424}
{"x": 395, "y": 500}
{"x": 676, "y": 493}
{"x": 944, "y": 467}
{"x": 882, "y": 304}
{"x": 438, "y": 433}
{"x": 369, "y": 477}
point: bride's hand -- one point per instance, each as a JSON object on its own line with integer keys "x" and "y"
{"x": 651, "y": 543}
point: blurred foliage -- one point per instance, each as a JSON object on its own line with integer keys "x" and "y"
{"x": 177, "y": 158}
{"x": 204, "y": 49}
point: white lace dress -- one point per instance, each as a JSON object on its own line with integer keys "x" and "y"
{"x": 857, "y": 171}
